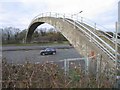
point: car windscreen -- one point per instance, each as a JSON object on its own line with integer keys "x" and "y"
{"x": 50, "y": 49}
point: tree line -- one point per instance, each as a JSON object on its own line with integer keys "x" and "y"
{"x": 11, "y": 35}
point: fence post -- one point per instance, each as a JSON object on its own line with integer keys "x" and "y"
{"x": 66, "y": 66}
{"x": 97, "y": 70}
{"x": 56, "y": 15}
{"x": 42, "y": 14}
{"x": 81, "y": 19}
{"x": 63, "y": 17}
{"x": 116, "y": 51}
{"x": 95, "y": 28}
{"x": 86, "y": 70}
{"x": 74, "y": 24}
{"x": 100, "y": 73}
{"x": 86, "y": 65}
{"x": 90, "y": 37}
{"x": 1, "y": 61}
{"x": 50, "y": 14}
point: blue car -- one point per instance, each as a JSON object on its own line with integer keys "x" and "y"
{"x": 48, "y": 51}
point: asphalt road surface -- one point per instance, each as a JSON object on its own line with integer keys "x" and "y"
{"x": 33, "y": 56}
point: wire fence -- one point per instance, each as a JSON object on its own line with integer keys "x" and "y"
{"x": 69, "y": 73}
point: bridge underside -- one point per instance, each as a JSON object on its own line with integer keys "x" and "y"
{"x": 76, "y": 37}
{"x": 31, "y": 30}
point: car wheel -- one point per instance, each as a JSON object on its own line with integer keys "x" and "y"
{"x": 43, "y": 53}
{"x": 54, "y": 53}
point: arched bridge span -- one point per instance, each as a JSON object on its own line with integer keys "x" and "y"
{"x": 80, "y": 35}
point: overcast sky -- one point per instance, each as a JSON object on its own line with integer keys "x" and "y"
{"x": 19, "y": 13}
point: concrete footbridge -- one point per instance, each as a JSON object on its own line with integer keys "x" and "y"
{"x": 83, "y": 34}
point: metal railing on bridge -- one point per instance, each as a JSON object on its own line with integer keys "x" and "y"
{"x": 87, "y": 21}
